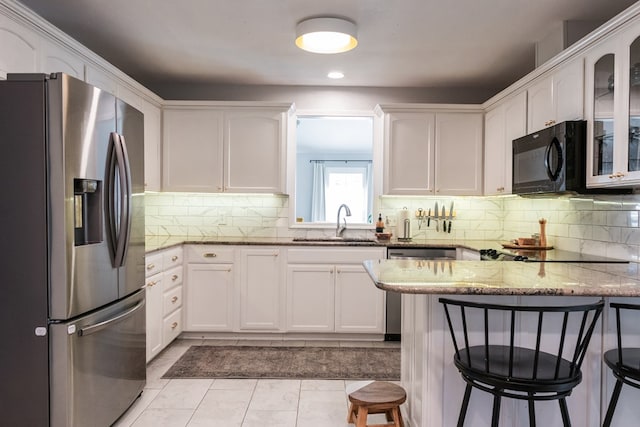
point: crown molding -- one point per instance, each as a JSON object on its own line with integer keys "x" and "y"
{"x": 22, "y": 15}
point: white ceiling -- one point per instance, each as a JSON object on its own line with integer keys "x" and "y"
{"x": 402, "y": 43}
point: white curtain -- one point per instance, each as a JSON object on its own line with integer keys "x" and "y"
{"x": 318, "y": 193}
{"x": 368, "y": 191}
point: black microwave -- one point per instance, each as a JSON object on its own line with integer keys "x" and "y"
{"x": 552, "y": 160}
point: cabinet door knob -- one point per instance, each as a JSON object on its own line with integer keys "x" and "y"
{"x": 174, "y": 299}
{"x": 174, "y": 325}
{"x": 151, "y": 284}
{"x": 209, "y": 255}
{"x": 174, "y": 277}
{"x": 500, "y": 189}
{"x": 174, "y": 258}
{"x": 151, "y": 266}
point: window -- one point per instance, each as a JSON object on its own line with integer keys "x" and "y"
{"x": 338, "y": 152}
{"x": 347, "y": 184}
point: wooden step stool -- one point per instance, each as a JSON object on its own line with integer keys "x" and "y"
{"x": 376, "y": 397}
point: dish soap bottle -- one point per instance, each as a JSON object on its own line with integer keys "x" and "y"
{"x": 380, "y": 224}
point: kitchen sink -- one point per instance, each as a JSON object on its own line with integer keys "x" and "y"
{"x": 335, "y": 239}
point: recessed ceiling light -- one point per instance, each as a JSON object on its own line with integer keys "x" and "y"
{"x": 326, "y": 35}
{"x": 335, "y": 74}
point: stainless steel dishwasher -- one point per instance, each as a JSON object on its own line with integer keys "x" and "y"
{"x": 394, "y": 304}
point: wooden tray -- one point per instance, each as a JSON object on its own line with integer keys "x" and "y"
{"x": 526, "y": 247}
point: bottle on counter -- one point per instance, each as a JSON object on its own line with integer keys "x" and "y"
{"x": 380, "y": 224}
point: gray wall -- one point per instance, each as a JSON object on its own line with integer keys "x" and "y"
{"x": 333, "y": 98}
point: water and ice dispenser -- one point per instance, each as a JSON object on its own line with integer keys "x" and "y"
{"x": 88, "y": 212}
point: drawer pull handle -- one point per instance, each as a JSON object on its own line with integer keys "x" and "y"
{"x": 174, "y": 325}
{"x": 150, "y": 284}
{"x": 174, "y": 277}
{"x": 174, "y": 258}
{"x": 209, "y": 255}
{"x": 174, "y": 299}
{"x": 151, "y": 266}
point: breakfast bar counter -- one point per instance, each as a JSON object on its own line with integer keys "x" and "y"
{"x": 434, "y": 387}
{"x": 505, "y": 278}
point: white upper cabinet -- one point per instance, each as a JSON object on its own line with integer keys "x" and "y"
{"x": 254, "y": 146}
{"x": 557, "y": 97}
{"x": 502, "y": 125}
{"x": 152, "y": 147}
{"x": 18, "y": 48}
{"x": 432, "y": 152}
{"x": 101, "y": 79}
{"x": 218, "y": 149}
{"x": 152, "y": 125}
{"x": 54, "y": 59}
{"x": 409, "y": 153}
{"x": 613, "y": 113}
{"x": 458, "y": 159}
{"x": 192, "y": 150}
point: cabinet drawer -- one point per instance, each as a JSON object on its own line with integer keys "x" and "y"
{"x": 155, "y": 280}
{"x": 334, "y": 256}
{"x": 172, "y": 278}
{"x": 172, "y": 258}
{"x": 210, "y": 254}
{"x": 172, "y": 300}
{"x": 153, "y": 264}
{"x": 172, "y": 326}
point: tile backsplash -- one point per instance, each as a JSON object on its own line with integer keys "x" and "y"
{"x": 198, "y": 215}
{"x": 599, "y": 225}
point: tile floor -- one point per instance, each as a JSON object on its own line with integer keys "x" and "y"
{"x": 240, "y": 402}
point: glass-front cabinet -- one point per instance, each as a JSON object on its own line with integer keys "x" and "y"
{"x": 603, "y": 112}
{"x": 612, "y": 101}
{"x": 634, "y": 107}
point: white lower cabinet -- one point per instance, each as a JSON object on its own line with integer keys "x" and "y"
{"x": 153, "y": 295}
{"x": 279, "y": 289}
{"x": 261, "y": 289}
{"x": 328, "y": 290}
{"x": 359, "y": 304}
{"x": 163, "y": 290}
{"x": 209, "y": 294}
{"x": 310, "y": 297}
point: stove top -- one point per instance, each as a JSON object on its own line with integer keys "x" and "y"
{"x": 553, "y": 255}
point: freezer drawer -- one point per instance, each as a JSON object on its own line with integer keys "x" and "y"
{"x": 98, "y": 364}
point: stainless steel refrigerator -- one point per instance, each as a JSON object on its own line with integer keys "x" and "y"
{"x": 72, "y": 347}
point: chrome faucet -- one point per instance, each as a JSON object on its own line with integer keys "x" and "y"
{"x": 347, "y": 212}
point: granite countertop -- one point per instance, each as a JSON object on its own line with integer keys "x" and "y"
{"x": 505, "y": 278}
{"x": 163, "y": 242}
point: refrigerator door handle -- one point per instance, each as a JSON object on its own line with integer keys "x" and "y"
{"x": 125, "y": 202}
{"x": 118, "y": 199}
{"x": 92, "y": 329}
{"x": 112, "y": 208}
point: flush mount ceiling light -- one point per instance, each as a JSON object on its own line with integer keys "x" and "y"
{"x": 326, "y": 35}
{"x": 335, "y": 75}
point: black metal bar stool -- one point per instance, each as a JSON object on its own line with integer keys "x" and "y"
{"x": 547, "y": 371}
{"x": 623, "y": 361}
